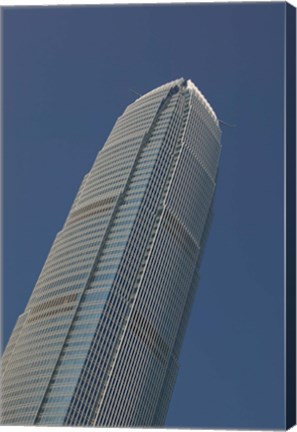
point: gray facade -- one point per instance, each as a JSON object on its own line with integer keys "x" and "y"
{"x": 99, "y": 340}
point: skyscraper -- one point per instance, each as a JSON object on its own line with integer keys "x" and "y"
{"x": 99, "y": 340}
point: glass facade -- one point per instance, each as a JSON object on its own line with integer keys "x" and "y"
{"x": 99, "y": 340}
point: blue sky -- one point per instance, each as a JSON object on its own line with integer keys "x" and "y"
{"x": 67, "y": 75}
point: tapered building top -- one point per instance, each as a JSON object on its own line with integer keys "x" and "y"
{"x": 99, "y": 340}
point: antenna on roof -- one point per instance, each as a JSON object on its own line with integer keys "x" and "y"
{"x": 133, "y": 91}
{"x": 227, "y": 124}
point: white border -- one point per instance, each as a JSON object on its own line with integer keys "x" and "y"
{"x": 122, "y": 2}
